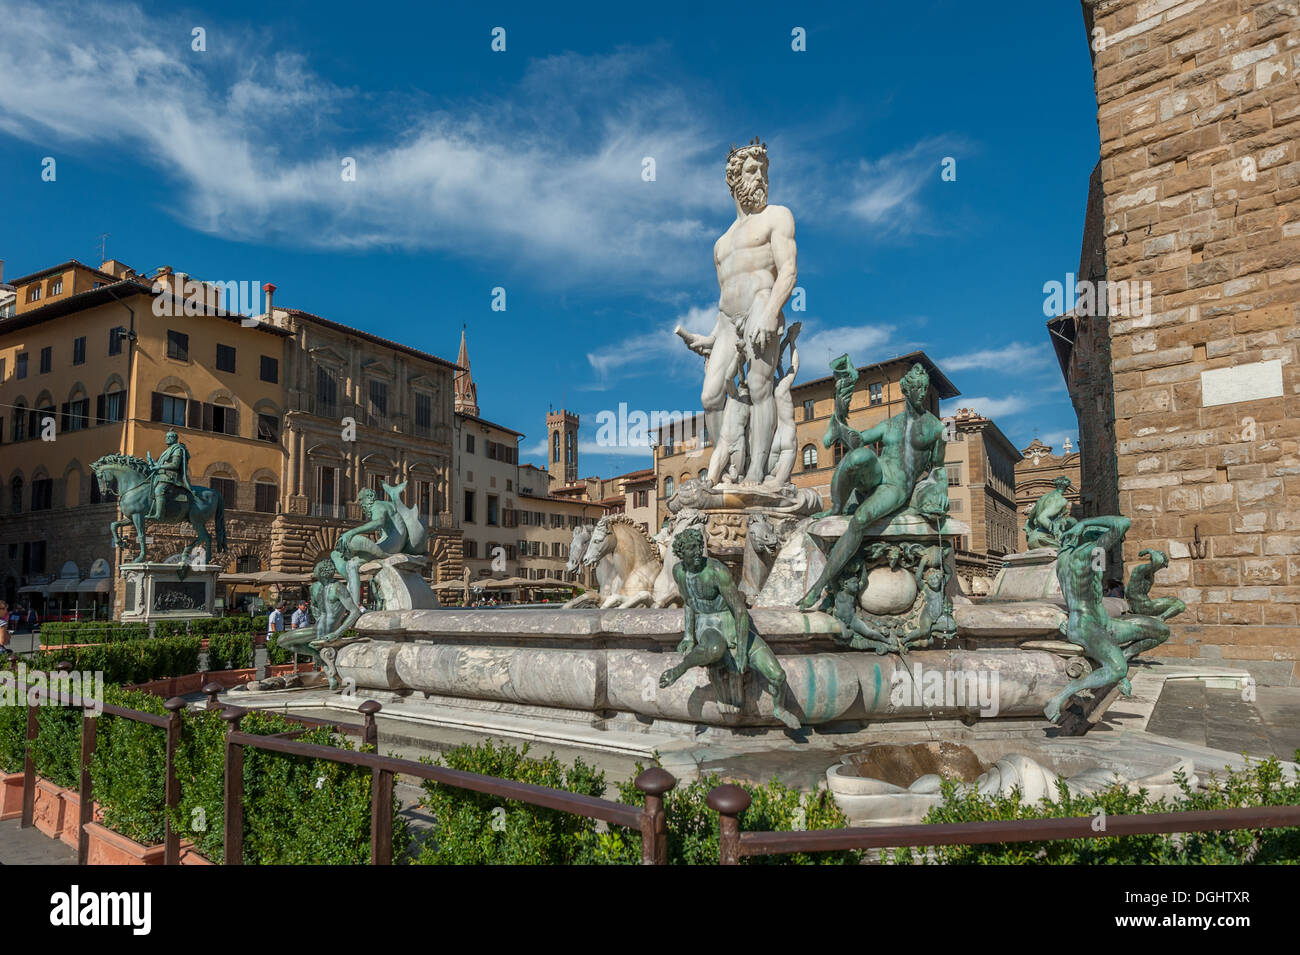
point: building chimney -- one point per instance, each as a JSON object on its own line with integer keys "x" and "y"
{"x": 269, "y": 291}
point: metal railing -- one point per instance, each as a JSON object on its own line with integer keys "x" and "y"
{"x": 650, "y": 820}
{"x": 729, "y": 801}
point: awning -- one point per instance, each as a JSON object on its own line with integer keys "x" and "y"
{"x": 34, "y": 589}
{"x": 95, "y": 585}
{"x": 65, "y": 585}
{"x": 237, "y": 578}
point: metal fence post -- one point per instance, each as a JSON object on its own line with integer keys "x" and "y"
{"x": 381, "y": 817}
{"x": 29, "y": 759}
{"x": 370, "y": 734}
{"x": 728, "y": 801}
{"x": 172, "y": 838}
{"x": 86, "y": 790}
{"x": 234, "y": 809}
{"x": 654, "y": 782}
{"x": 213, "y": 690}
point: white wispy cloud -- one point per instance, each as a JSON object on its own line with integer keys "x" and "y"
{"x": 249, "y": 138}
{"x": 887, "y": 190}
{"x": 818, "y": 345}
{"x": 1005, "y": 406}
{"x": 1013, "y": 357}
{"x": 655, "y": 352}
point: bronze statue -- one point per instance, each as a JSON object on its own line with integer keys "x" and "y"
{"x": 400, "y": 532}
{"x": 333, "y": 612}
{"x": 149, "y": 490}
{"x": 171, "y": 470}
{"x": 1049, "y": 517}
{"x": 911, "y": 446}
{"x": 718, "y": 633}
{"x": 1138, "y": 590}
{"x": 1111, "y": 642}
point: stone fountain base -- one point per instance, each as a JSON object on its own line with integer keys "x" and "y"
{"x": 603, "y": 663}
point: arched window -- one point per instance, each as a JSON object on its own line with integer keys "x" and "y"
{"x": 809, "y": 457}
{"x": 16, "y": 496}
{"x": 668, "y": 486}
{"x": 839, "y": 451}
{"x": 555, "y": 447}
{"x": 19, "y": 430}
{"x": 568, "y": 449}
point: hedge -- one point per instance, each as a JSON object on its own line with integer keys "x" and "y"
{"x": 1261, "y": 783}
{"x": 90, "y": 631}
{"x": 297, "y": 811}
{"x": 476, "y": 829}
{"x": 207, "y": 626}
{"x": 132, "y": 661}
{"x": 231, "y": 651}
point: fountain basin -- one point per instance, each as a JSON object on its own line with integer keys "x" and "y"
{"x": 603, "y": 662}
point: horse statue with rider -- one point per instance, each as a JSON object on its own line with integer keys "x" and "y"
{"x": 160, "y": 491}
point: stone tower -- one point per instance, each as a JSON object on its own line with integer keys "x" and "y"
{"x": 562, "y": 446}
{"x": 463, "y": 388}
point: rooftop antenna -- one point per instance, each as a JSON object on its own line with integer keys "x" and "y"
{"x": 103, "y": 246}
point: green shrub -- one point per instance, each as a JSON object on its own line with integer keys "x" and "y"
{"x": 296, "y": 810}
{"x": 275, "y": 654}
{"x": 1262, "y": 783}
{"x": 231, "y": 651}
{"x": 693, "y": 826}
{"x": 62, "y": 633}
{"x": 474, "y": 829}
{"x": 132, "y": 661}
{"x": 478, "y": 829}
{"x": 207, "y": 626}
{"x": 129, "y": 768}
{"x": 13, "y": 734}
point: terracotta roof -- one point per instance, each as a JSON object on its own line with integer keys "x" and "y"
{"x": 938, "y": 379}
{"x": 61, "y": 267}
{"x": 372, "y": 337}
{"x": 490, "y": 424}
{"x": 115, "y": 291}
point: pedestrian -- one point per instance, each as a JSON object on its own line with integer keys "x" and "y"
{"x": 32, "y": 618}
{"x": 4, "y": 630}
{"x": 301, "y": 618}
{"x": 275, "y": 620}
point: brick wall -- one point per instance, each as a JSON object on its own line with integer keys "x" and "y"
{"x": 1198, "y": 114}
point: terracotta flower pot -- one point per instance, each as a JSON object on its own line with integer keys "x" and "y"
{"x": 106, "y": 847}
{"x": 71, "y": 816}
{"x": 49, "y": 808}
{"x": 190, "y": 857}
{"x": 11, "y": 795}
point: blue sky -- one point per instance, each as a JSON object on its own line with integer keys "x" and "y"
{"x": 522, "y": 170}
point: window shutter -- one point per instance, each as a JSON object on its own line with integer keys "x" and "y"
{"x": 99, "y": 409}
{"x": 232, "y": 421}
{"x": 33, "y": 424}
{"x": 194, "y": 412}
{"x": 207, "y": 416}
{"x": 65, "y": 417}
{"x": 155, "y": 406}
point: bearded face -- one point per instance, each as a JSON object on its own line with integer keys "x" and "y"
{"x": 747, "y": 178}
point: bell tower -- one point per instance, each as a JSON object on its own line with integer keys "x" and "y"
{"x": 562, "y": 447}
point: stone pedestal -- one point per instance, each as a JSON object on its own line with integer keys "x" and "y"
{"x": 1028, "y": 576}
{"x": 399, "y": 583}
{"x": 154, "y": 591}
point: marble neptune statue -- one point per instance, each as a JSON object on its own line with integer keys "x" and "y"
{"x": 756, "y": 263}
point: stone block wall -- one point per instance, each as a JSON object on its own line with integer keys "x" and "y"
{"x": 1199, "y": 117}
